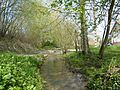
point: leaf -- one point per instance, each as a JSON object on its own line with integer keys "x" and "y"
{"x": 70, "y": 3}
{"x": 53, "y": 5}
{"x": 1, "y": 87}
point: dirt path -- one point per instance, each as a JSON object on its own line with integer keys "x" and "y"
{"x": 58, "y": 77}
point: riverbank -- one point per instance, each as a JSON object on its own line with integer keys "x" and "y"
{"x": 20, "y": 72}
{"x": 100, "y": 74}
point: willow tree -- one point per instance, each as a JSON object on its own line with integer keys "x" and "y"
{"x": 63, "y": 35}
{"x": 35, "y": 20}
{"x": 8, "y": 17}
{"x": 76, "y": 8}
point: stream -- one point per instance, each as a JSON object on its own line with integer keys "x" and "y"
{"x": 58, "y": 77}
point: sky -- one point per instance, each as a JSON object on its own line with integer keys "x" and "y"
{"x": 47, "y": 2}
{"x": 100, "y": 28}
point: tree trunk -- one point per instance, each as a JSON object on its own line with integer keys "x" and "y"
{"x": 76, "y": 41}
{"x": 84, "y": 38}
{"x": 101, "y": 51}
{"x": 76, "y": 47}
{"x": 95, "y": 25}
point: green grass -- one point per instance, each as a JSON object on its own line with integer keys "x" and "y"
{"x": 101, "y": 74}
{"x": 19, "y": 73}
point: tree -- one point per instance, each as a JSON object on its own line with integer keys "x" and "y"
{"x": 94, "y": 20}
{"x": 8, "y": 10}
{"x": 102, "y": 17}
{"x": 106, "y": 33}
{"x": 76, "y": 8}
{"x": 35, "y": 20}
{"x": 84, "y": 38}
{"x": 25, "y": 21}
{"x": 63, "y": 35}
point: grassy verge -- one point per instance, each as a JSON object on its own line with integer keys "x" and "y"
{"x": 101, "y": 74}
{"x": 19, "y": 73}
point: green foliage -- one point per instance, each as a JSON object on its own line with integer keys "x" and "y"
{"x": 48, "y": 45}
{"x": 105, "y": 82}
{"x": 19, "y": 73}
{"x": 107, "y": 77}
{"x": 63, "y": 35}
{"x": 101, "y": 74}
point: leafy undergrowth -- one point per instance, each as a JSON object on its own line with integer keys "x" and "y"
{"x": 19, "y": 73}
{"x": 101, "y": 74}
{"x": 16, "y": 46}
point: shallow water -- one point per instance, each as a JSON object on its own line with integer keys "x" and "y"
{"x": 58, "y": 77}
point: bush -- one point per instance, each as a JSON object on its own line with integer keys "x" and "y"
{"x": 19, "y": 73}
{"x": 105, "y": 82}
{"x": 107, "y": 77}
{"x": 101, "y": 74}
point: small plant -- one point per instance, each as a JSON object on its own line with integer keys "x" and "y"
{"x": 105, "y": 82}
{"x": 19, "y": 73}
{"x": 101, "y": 74}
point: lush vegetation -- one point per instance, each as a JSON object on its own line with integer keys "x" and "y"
{"x": 101, "y": 74}
{"x": 19, "y": 73}
{"x": 28, "y": 26}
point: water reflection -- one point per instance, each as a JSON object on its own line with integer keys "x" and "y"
{"x": 58, "y": 77}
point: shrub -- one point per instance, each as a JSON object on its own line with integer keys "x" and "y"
{"x": 19, "y": 73}
{"x": 105, "y": 82}
{"x": 101, "y": 74}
